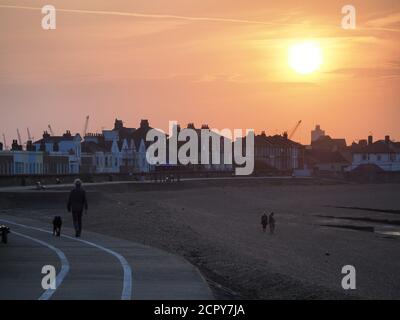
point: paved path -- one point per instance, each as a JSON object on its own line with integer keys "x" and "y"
{"x": 92, "y": 267}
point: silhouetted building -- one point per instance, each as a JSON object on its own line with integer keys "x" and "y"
{"x": 6, "y": 163}
{"x": 317, "y": 133}
{"x": 66, "y": 145}
{"x": 384, "y": 154}
{"x": 278, "y": 152}
{"x": 323, "y": 162}
{"x": 326, "y": 143}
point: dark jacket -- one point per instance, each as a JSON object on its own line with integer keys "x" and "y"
{"x": 77, "y": 200}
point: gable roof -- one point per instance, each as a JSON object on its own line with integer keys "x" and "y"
{"x": 140, "y": 134}
{"x": 326, "y": 142}
{"x": 275, "y": 141}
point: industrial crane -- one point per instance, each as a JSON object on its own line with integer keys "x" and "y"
{"x": 30, "y": 138}
{"x": 85, "y": 128}
{"x": 5, "y": 142}
{"x": 19, "y": 138}
{"x": 293, "y": 131}
{"x": 51, "y": 130}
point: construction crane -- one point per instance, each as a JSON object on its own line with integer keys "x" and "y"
{"x": 85, "y": 128}
{"x": 292, "y": 133}
{"x": 51, "y": 130}
{"x": 5, "y": 142}
{"x": 30, "y": 138}
{"x": 19, "y": 138}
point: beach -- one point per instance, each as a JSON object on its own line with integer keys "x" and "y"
{"x": 321, "y": 226}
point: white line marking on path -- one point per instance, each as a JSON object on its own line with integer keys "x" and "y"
{"x": 64, "y": 265}
{"x": 127, "y": 284}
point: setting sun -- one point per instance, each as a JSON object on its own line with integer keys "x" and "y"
{"x": 305, "y": 57}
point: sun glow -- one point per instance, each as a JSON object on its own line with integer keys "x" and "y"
{"x": 305, "y": 57}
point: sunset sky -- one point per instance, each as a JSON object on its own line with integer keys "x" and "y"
{"x": 220, "y": 62}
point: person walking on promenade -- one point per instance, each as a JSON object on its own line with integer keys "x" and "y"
{"x": 264, "y": 221}
{"x": 77, "y": 202}
{"x": 271, "y": 221}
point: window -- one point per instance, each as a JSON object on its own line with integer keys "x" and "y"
{"x": 379, "y": 157}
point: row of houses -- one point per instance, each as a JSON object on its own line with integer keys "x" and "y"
{"x": 384, "y": 155}
{"x": 331, "y": 156}
{"x": 277, "y": 153}
{"x": 112, "y": 151}
{"x": 20, "y": 162}
{"x": 123, "y": 150}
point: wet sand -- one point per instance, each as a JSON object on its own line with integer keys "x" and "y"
{"x": 216, "y": 226}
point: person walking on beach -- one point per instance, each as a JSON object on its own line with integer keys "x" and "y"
{"x": 77, "y": 202}
{"x": 271, "y": 221}
{"x": 264, "y": 221}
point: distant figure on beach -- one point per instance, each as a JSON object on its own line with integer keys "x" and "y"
{"x": 77, "y": 202}
{"x": 264, "y": 221}
{"x": 271, "y": 221}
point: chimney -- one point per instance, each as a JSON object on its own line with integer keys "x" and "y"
{"x": 1, "y": 146}
{"x": 144, "y": 124}
{"x": 15, "y": 146}
{"x": 118, "y": 124}
{"x": 46, "y": 135}
{"x": 67, "y": 134}
{"x": 205, "y": 126}
{"x": 190, "y": 125}
{"x": 285, "y": 135}
{"x": 387, "y": 139}
{"x": 263, "y": 133}
{"x": 370, "y": 140}
{"x": 30, "y": 146}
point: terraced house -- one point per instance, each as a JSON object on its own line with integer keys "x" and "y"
{"x": 277, "y": 152}
{"x": 382, "y": 155}
{"x": 120, "y": 150}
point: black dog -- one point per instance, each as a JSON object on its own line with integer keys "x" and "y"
{"x": 57, "y": 223}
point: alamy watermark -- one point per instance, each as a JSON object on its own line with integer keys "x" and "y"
{"x": 349, "y": 18}
{"x": 49, "y": 20}
{"x": 349, "y": 280}
{"x": 49, "y": 280}
{"x": 202, "y": 146}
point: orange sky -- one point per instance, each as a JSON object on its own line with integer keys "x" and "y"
{"x": 227, "y": 69}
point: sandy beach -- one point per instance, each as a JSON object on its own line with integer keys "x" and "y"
{"x": 320, "y": 227}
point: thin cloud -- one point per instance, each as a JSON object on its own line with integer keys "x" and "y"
{"x": 385, "y": 21}
{"x": 369, "y": 72}
{"x": 151, "y": 16}
{"x": 188, "y": 18}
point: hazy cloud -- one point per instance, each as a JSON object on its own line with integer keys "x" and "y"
{"x": 388, "y": 20}
{"x": 378, "y": 72}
